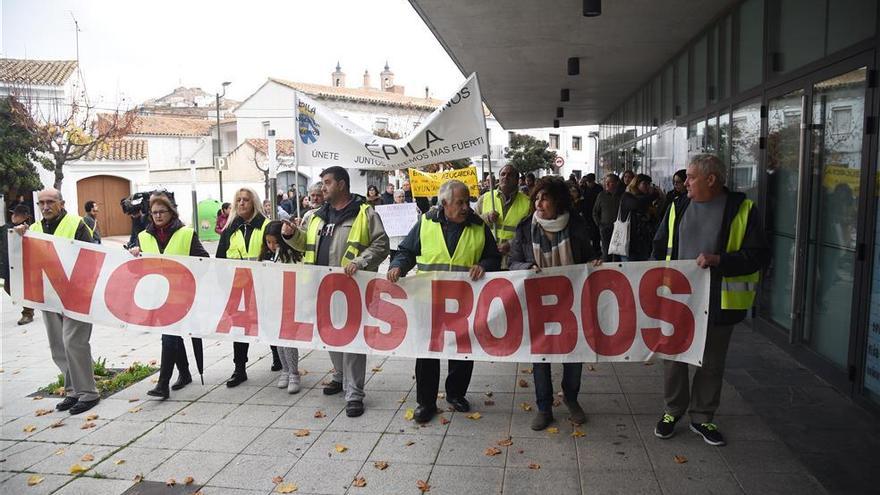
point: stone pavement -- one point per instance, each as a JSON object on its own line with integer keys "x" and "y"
{"x": 235, "y": 441}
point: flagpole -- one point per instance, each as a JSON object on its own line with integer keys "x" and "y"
{"x": 296, "y": 152}
{"x": 488, "y": 158}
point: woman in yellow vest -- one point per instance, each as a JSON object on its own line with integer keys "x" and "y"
{"x": 451, "y": 238}
{"x": 166, "y": 234}
{"x": 242, "y": 239}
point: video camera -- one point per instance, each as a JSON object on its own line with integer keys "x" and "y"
{"x": 140, "y": 202}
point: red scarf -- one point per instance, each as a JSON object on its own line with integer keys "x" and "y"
{"x": 163, "y": 234}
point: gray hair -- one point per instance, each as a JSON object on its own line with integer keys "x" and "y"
{"x": 400, "y": 192}
{"x": 710, "y": 164}
{"x": 316, "y": 187}
{"x": 444, "y": 195}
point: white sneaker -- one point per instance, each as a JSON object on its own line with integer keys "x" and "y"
{"x": 283, "y": 379}
{"x": 293, "y": 384}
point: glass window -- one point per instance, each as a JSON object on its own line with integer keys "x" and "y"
{"x": 700, "y": 72}
{"x": 668, "y": 94}
{"x": 797, "y": 33}
{"x": 710, "y": 143}
{"x": 850, "y": 21}
{"x": 554, "y": 141}
{"x": 724, "y": 138}
{"x": 745, "y": 129}
{"x": 576, "y": 143}
{"x": 681, "y": 85}
{"x": 872, "y": 358}
{"x": 656, "y": 99}
{"x": 750, "y": 49}
{"x": 722, "y": 63}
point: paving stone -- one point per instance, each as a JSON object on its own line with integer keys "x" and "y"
{"x": 673, "y": 481}
{"x": 761, "y": 456}
{"x": 480, "y": 384}
{"x": 651, "y": 404}
{"x": 626, "y": 482}
{"x": 152, "y": 410}
{"x": 700, "y": 455}
{"x": 619, "y": 454}
{"x": 396, "y": 478}
{"x": 223, "y": 490}
{"x": 384, "y": 399}
{"x": 399, "y": 423}
{"x": 544, "y": 480}
{"x": 281, "y": 442}
{"x": 638, "y": 369}
{"x": 18, "y": 484}
{"x": 170, "y": 436}
{"x": 556, "y": 451}
{"x": 72, "y": 454}
{"x": 323, "y": 476}
{"x": 110, "y": 408}
{"x": 640, "y": 384}
{"x": 492, "y": 423}
{"x": 316, "y": 398}
{"x": 85, "y": 485}
{"x": 395, "y": 382}
{"x": 600, "y": 384}
{"x": 206, "y": 413}
{"x": 202, "y": 466}
{"x": 118, "y": 432}
{"x": 253, "y": 415}
{"x": 5, "y": 444}
{"x": 137, "y": 460}
{"x": 223, "y": 438}
{"x": 457, "y": 480}
{"x": 406, "y": 448}
{"x": 358, "y": 446}
{"x": 298, "y": 417}
{"x": 23, "y": 455}
{"x": 71, "y": 431}
{"x": 274, "y": 396}
{"x": 252, "y": 472}
{"x": 373, "y": 420}
{"x": 234, "y": 395}
{"x": 470, "y": 451}
{"x": 14, "y": 430}
{"x": 780, "y": 484}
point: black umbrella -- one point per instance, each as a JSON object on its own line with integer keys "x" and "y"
{"x": 199, "y": 354}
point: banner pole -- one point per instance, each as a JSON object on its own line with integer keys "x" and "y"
{"x": 488, "y": 156}
{"x": 296, "y": 153}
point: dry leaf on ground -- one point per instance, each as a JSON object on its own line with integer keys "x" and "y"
{"x": 59, "y": 452}
{"x": 443, "y": 420}
{"x": 57, "y": 424}
{"x": 87, "y": 458}
{"x": 553, "y": 429}
{"x": 38, "y": 397}
{"x": 188, "y": 480}
{"x": 152, "y": 362}
{"x": 525, "y": 406}
{"x": 119, "y": 461}
{"x": 340, "y": 448}
{"x": 154, "y": 379}
{"x": 523, "y": 383}
{"x": 527, "y": 371}
{"x": 376, "y": 369}
{"x": 380, "y": 465}
{"x": 170, "y": 482}
{"x": 557, "y": 402}
{"x": 42, "y": 412}
{"x": 475, "y": 415}
{"x": 492, "y": 451}
{"x": 409, "y": 414}
{"x": 91, "y": 417}
{"x": 286, "y": 488}
{"x": 534, "y": 465}
{"x": 87, "y": 425}
{"x": 577, "y": 433}
{"x": 34, "y": 480}
{"x": 134, "y": 399}
{"x": 135, "y": 410}
{"x": 680, "y": 459}
{"x": 590, "y": 367}
{"x": 359, "y": 482}
{"x": 423, "y": 486}
{"x": 301, "y": 433}
{"x": 277, "y": 479}
{"x": 507, "y": 442}
{"x": 408, "y": 443}
{"x": 320, "y": 414}
{"x": 138, "y": 478}
{"x": 77, "y": 469}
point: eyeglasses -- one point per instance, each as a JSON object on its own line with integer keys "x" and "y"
{"x": 158, "y": 213}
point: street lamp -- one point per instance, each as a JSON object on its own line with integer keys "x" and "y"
{"x": 595, "y": 135}
{"x": 219, "y": 142}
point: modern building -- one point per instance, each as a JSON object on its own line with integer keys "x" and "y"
{"x": 785, "y": 91}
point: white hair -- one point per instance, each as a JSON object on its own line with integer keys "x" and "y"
{"x": 709, "y": 164}
{"x": 444, "y": 195}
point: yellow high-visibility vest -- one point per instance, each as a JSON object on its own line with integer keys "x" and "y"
{"x": 435, "y": 256}
{"x": 66, "y": 228}
{"x": 358, "y": 238}
{"x": 237, "y": 249}
{"x": 179, "y": 243}
{"x": 736, "y": 292}
{"x": 518, "y": 210}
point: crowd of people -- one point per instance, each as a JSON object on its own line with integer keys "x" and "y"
{"x": 525, "y": 223}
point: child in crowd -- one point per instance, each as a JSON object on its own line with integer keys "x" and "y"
{"x": 277, "y": 251}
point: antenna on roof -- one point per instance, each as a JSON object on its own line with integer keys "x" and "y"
{"x": 78, "y": 65}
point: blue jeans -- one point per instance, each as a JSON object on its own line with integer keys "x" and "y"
{"x": 571, "y": 383}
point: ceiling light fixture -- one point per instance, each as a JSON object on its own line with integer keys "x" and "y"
{"x": 574, "y": 66}
{"x": 592, "y": 8}
{"x": 564, "y": 95}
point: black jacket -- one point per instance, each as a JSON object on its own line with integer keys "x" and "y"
{"x": 82, "y": 231}
{"x": 195, "y": 248}
{"x": 246, "y": 228}
{"x": 754, "y": 254}
{"x": 523, "y": 258}
{"x": 411, "y": 246}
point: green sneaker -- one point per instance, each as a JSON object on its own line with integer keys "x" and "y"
{"x": 709, "y": 432}
{"x": 666, "y": 426}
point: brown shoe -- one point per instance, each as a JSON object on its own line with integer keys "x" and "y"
{"x": 25, "y": 319}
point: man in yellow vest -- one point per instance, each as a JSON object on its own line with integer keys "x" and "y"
{"x": 504, "y": 208}
{"x": 722, "y": 231}
{"x": 344, "y": 231}
{"x": 451, "y": 238}
{"x": 68, "y": 338}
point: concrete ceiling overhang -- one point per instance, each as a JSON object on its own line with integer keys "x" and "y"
{"x": 520, "y": 48}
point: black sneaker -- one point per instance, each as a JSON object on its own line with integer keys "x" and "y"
{"x": 333, "y": 388}
{"x": 709, "y": 432}
{"x": 666, "y": 426}
{"x": 67, "y": 403}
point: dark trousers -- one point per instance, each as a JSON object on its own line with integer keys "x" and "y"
{"x": 240, "y": 354}
{"x": 173, "y": 354}
{"x": 701, "y": 397}
{"x": 605, "y": 233}
{"x": 428, "y": 379}
{"x": 571, "y": 383}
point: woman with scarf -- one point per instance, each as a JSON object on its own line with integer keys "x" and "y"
{"x": 166, "y": 234}
{"x": 553, "y": 235}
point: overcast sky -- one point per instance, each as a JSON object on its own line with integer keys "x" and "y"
{"x": 145, "y": 49}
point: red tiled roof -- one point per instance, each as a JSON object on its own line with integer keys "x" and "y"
{"x": 375, "y": 96}
{"x": 171, "y": 126}
{"x": 38, "y": 72}
{"x": 121, "y": 150}
{"x": 283, "y": 147}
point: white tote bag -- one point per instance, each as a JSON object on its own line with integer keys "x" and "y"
{"x": 619, "y": 244}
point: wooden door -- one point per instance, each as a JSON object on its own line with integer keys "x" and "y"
{"x": 107, "y": 191}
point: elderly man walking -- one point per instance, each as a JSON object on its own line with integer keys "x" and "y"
{"x": 722, "y": 231}
{"x": 68, "y": 338}
{"x": 451, "y": 238}
{"x": 345, "y": 231}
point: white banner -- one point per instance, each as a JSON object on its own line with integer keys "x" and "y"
{"x": 617, "y": 312}
{"x": 398, "y": 219}
{"x": 457, "y": 129}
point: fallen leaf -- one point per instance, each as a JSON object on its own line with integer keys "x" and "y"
{"x": 188, "y": 480}
{"x": 286, "y": 488}
{"x": 380, "y": 465}
{"x": 507, "y": 442}
{"x": 359, "y": 482}
{"x": 401, "y": 400}
{"x": 443, "y": 420}
{"x": 474, "y": 416}
{"x": 119, "y": 461}
{"x": 138, "y": 478}
{"x": 155, "y": 379}
{"x": 152, "y": 362}
{"x": 29, "y": 428}
{"x": 16, "y": 372}
{"x": 320, "y": 414}
{"x": 87, "y": 458}
{"x": 409, "y": 414}
{"x": 277, "y": 479}
{"x": 77, "y": 469}
{"x": 87, "y": 425}
{"x": 91, "y": 417}
{"x": 526, "y": 371}
{"x": 557, "y": 402}
{"x": 590, "y": 367}
{"x": 680, "y": 459}
{"x": 59, "y": 391}
{"x": 59, "y": 452}
{"x": 340, "y": 448}
{"x": 376, "y": 369}
{"x": 170, "y": 482}
{"x": 577, "y": 433}
{"x": 42, "y": 412}
{"x": 534, "y": 465}
{"x": 525, "y": 406}
{"x": 301, "y": 433}
{"x": 409, "y": 443}
{"x": 34, "y": 480}
{"x": 489, "y": 394}
{"x": 523, "y": 383}
{"x": 57, "y": 424}
{"x": 134, "y": 399}
{"x": 553, "y": 429}
{"x": 489, "y": 403}
{"x": 135, "y": 410}
{"x": 38, "y": 397}
{"x": 422, "y": 486}
{"x": 492, "y": 451}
